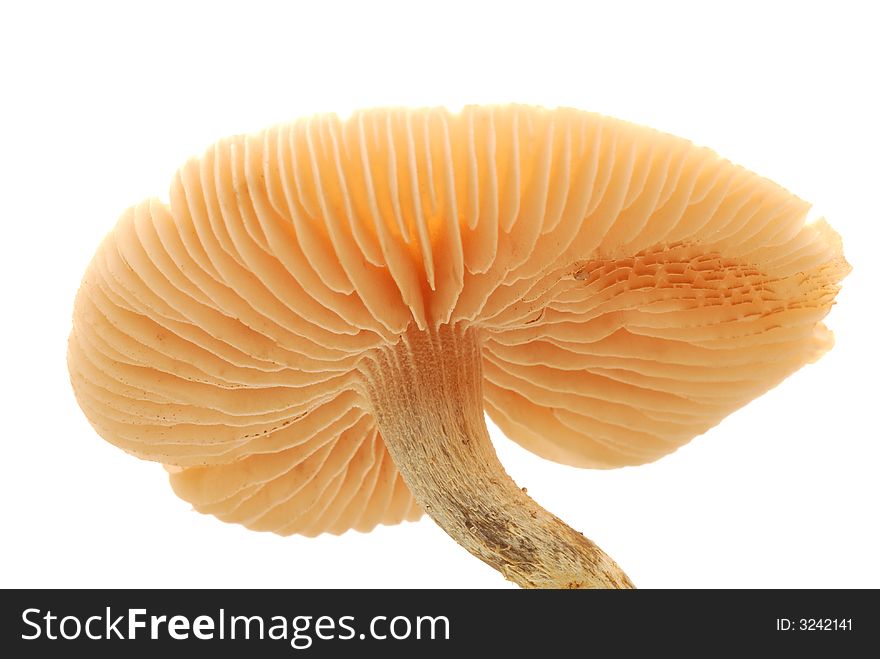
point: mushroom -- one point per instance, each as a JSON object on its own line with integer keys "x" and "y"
{"x": 309, "y": 333}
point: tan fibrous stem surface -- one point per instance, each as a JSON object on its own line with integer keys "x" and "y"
{"x": 426, "y": 391}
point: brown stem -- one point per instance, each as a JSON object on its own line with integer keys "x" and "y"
{"x": 427, "y": 397}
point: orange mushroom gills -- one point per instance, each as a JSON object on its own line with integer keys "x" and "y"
{"x": 308, "y": 334}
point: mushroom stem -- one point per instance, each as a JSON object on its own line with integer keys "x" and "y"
{"x": 427, "y": 397}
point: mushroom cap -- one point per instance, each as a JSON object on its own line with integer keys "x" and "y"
{"x": 631, "y": 290}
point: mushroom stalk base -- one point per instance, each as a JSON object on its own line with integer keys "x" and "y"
{"x": 426, "y": 393}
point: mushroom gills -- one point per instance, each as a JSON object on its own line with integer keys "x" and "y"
{"x": 307, "y": 335}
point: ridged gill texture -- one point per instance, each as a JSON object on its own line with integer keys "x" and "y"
{"x": 630, "y": 290}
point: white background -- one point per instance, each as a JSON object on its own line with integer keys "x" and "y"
{"x": 101, "y": 103}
